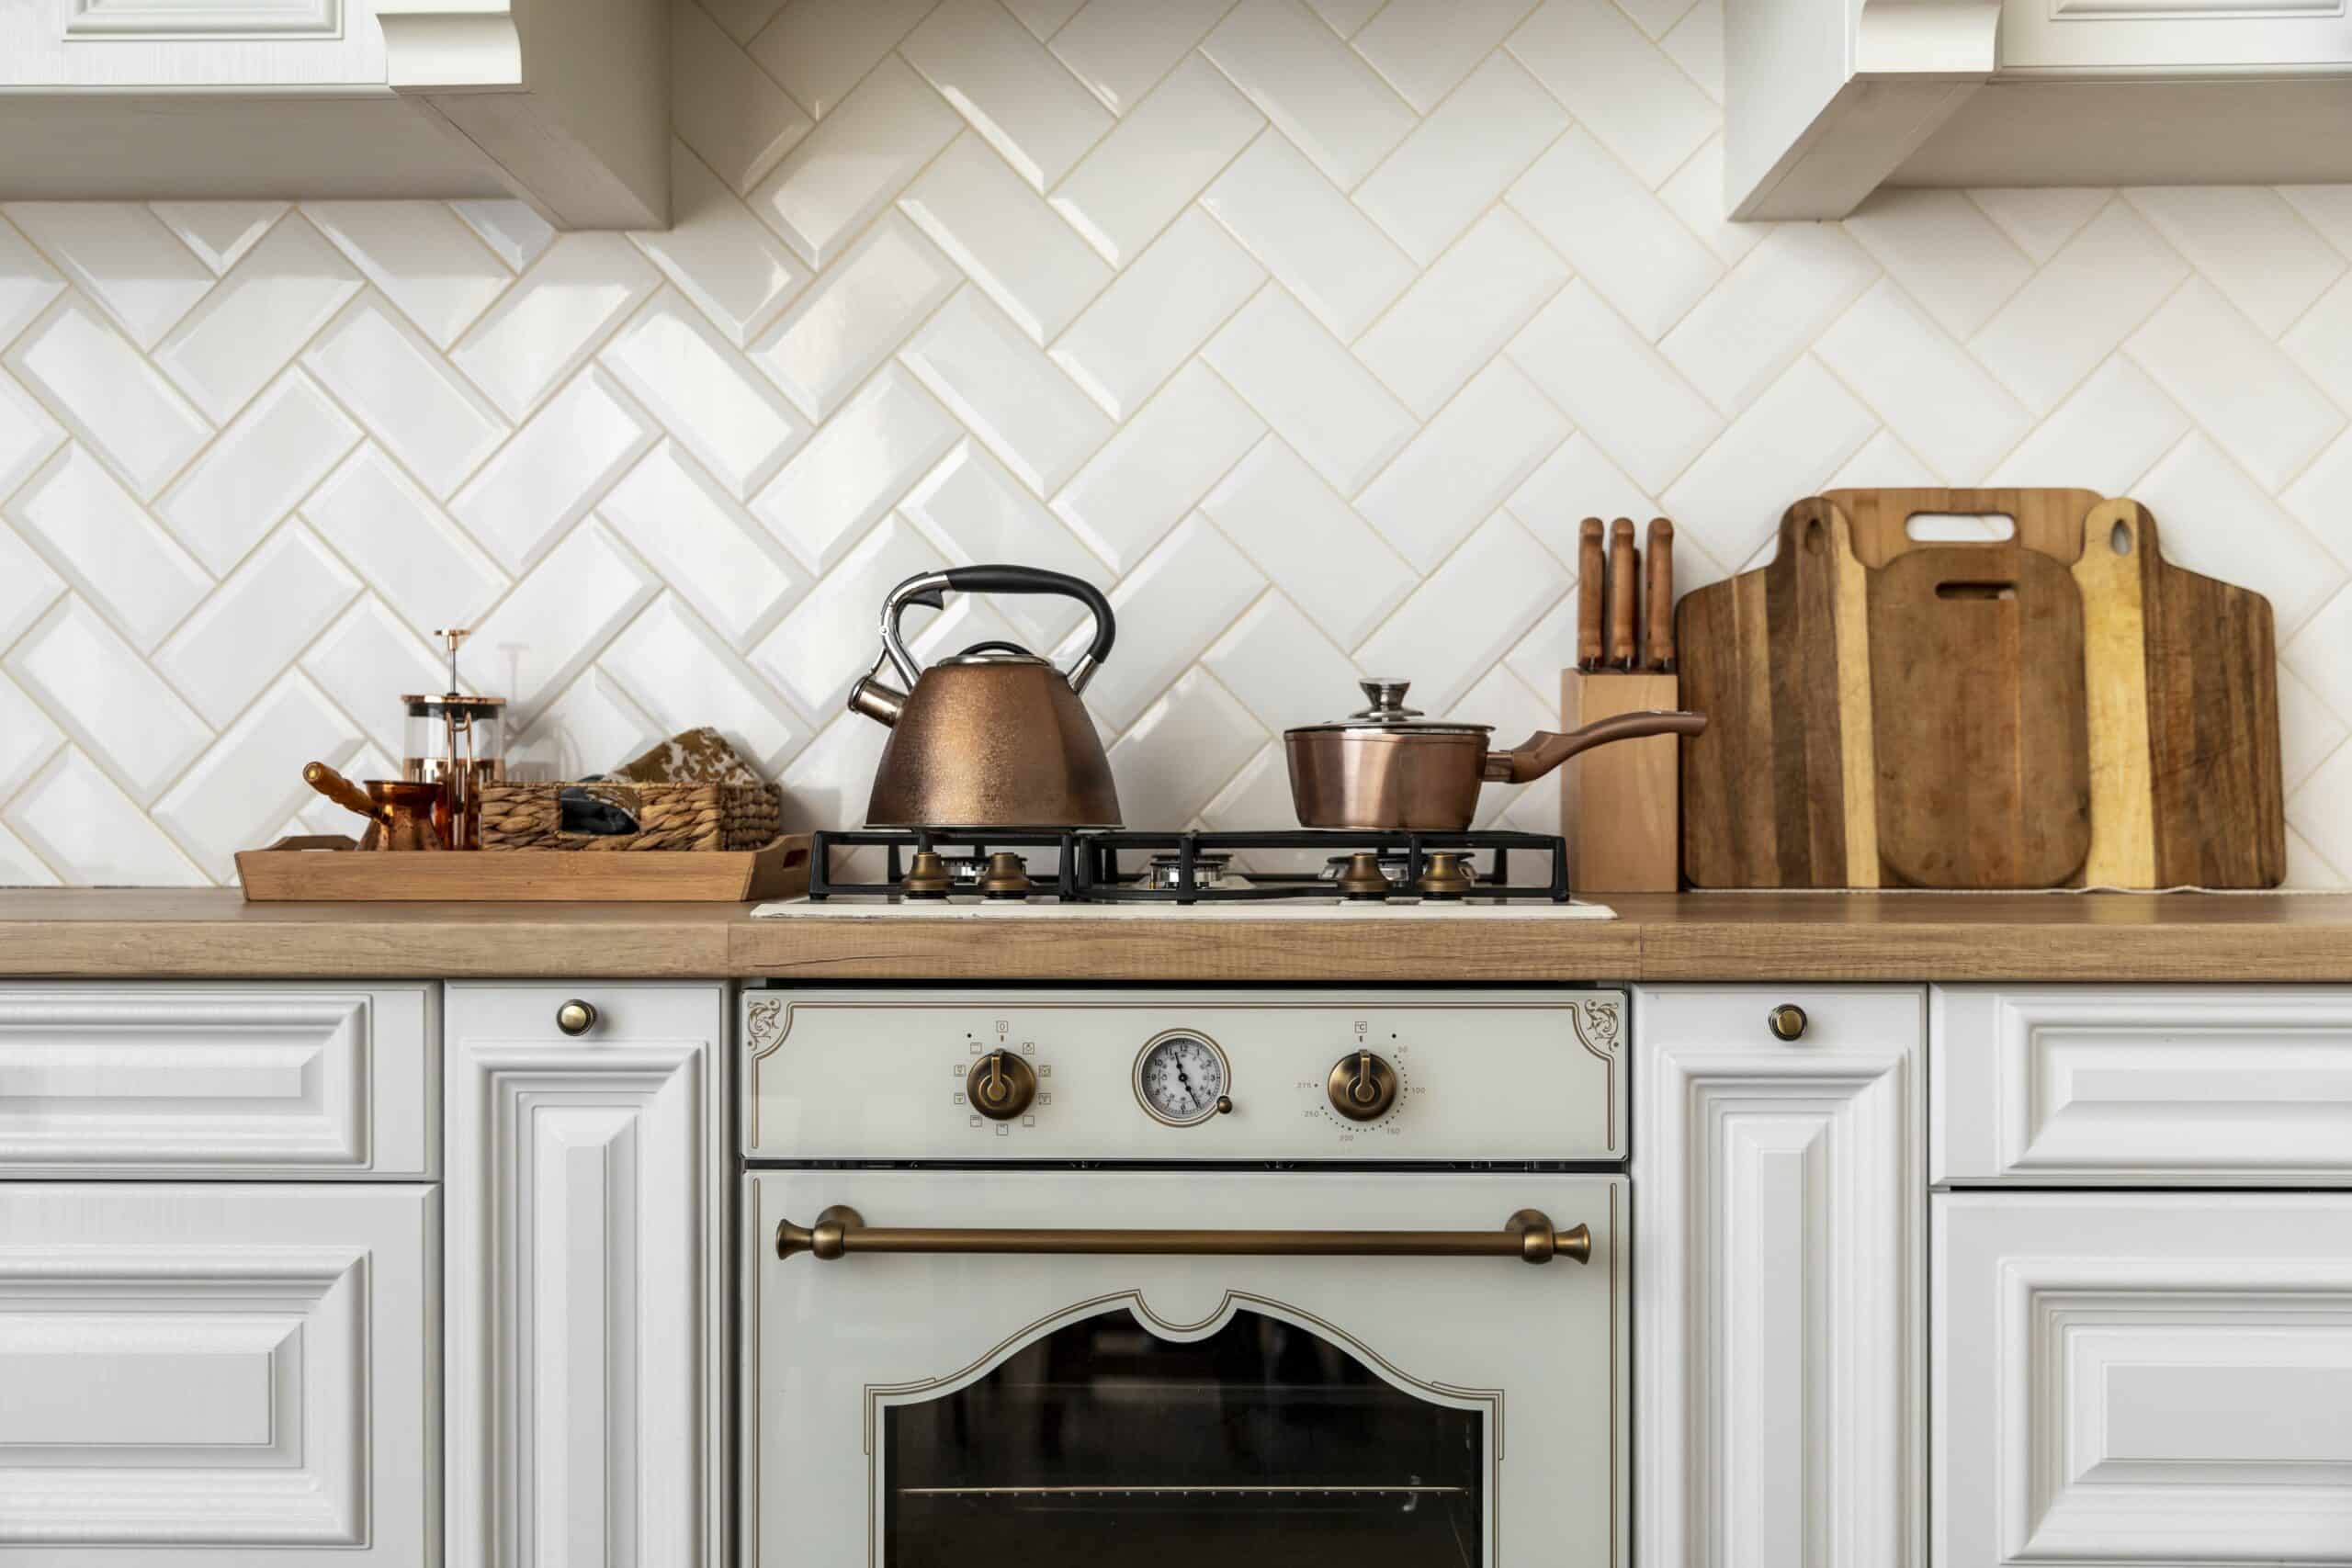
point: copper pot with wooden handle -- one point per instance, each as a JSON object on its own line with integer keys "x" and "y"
{"x": 1386, "y": 768}
{"x": 398, "y": 811}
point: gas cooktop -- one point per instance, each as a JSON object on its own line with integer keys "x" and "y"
{"x": 1119, "y": 866}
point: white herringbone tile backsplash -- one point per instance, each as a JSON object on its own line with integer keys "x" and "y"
{"x": 1309, "y": 327}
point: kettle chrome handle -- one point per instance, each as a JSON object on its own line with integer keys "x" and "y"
{"x": 931, "y": 589}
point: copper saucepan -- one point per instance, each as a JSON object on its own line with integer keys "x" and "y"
{"x": 1385, "y": 768}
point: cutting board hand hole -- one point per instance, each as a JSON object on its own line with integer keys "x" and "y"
{"x": 1959, "y": 527}
{"x": 1976, "y": 590}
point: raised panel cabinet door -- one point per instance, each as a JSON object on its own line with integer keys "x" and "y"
{"x": 2161, "y": 37}
{"x": 2167, "y": 1085}
{"x": 587, "y": 1184}
{"x": 245, "y": 1080}
{"x": 203, "y": 1374}
{"x": 1779, "y": 1208}
{"x": 2151, "y": 1379}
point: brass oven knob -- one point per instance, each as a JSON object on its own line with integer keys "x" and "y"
{"x": 575, "y": 1016}
{"x": 1000, "y": 1086}
{"x": 1786, "y": 1021}
{"x": 1362, "y": 1087}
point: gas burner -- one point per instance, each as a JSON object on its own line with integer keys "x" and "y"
{"x": 1006, "y": 877}
{"x": 1166, "y": 871}
{"x": 1397, "y": 865}
{"x": 1119, "y": 866}
{"x": 931, "y": 876}
{"x": 1446, "y": 876}
{"x": 1360, "y": 877}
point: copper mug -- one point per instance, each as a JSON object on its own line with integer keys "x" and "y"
{"x": 399, "y": 812}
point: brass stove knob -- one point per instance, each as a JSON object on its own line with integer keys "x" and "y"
{"x": 1000, "y": 1086}
{"x": 1362, "y": 1087}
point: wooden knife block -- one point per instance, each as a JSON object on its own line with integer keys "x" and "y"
{"x": 1621, "y": 804}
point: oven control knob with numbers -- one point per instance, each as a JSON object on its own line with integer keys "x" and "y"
{"x": 1001, "y": 1084}
{"x": 1362, "y": 1087}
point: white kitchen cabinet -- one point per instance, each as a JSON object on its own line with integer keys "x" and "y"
{"x": 236, "y": 1080}
{"x": 2197, "y": 1086}
{"x": 1829, "y": 99}
{"x": 2150, "y": 1379}
{"x": 1779, "y": 1208}
{"x": 199, "y": 1374}
{"x": 562, "y": 103}
{"x": 587, "y": 1191}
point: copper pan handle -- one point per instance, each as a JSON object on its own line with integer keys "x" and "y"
{"x": 1542, "y": 752}
{"x": 340, "y": 790}
{"x": 1527, "y": 1235}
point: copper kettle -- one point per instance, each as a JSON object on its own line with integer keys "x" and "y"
{"x": 993, "y": 737}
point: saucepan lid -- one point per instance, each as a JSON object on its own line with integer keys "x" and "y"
{"x": 1389, "y": 716}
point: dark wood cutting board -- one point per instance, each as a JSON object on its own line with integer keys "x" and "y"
{"x": 1866, "y": 731}
{"x": 1978, "y": 718}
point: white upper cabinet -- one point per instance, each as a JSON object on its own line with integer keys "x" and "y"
{"x": 562, "y": 103}
{"x": 1829, "y": 99}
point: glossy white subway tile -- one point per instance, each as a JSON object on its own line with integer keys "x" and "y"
{"x": 414, "y": 404}
{"x": 254, "y": 624}
{"x": 420, "y": 256}
{"x": 856, "y": 316}
{"x": 1460, "y": 159}
{"x": 1291, "y": 523}
{"x": 1156, "y": 160}
{"x": 1301, "y": 381}
{"x": 285, "y": 441}
{"x": 1317, "y": 90}
{"x": 103, "y": 542}
{"x": 1003, "y": 80}
{"x": 123, "y": 257}
{"x": 1018, "y": 250}
{"x": 1006, "y": 392}
{"x": 95, "y": 383}
{"x": 1156, "y": 315}
{"x": 676, "y": 363}
{"x": 703, "y": 544}
{"x": 553, "y": 317}
{"x": 271, "y": 304}
{"x": 857, "y": 468}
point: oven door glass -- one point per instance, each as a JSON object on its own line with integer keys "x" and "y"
{"x": 1042, "y": 1409}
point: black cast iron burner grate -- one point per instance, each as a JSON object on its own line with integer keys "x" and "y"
{"x": 1107, "y": 866}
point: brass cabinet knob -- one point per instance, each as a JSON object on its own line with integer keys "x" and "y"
{"x": 575, "y": 1016}
{"x": 1000, "y": 1086}
{"x": 1362, "y": 1087}
{"x": 1787, "y": 1021}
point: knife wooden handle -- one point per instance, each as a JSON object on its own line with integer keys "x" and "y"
{"x": 1591, "y": 586}
{"x": 1624, "y": 570}
{"x": 1657, "y": 605}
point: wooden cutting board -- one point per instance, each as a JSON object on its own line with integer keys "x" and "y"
{"x": 1869, "y": 730}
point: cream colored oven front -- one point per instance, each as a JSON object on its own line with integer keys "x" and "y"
{"x": 976, "y": 1367}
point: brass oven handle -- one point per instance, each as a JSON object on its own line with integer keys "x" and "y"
{"x": 1527, "y": 1235}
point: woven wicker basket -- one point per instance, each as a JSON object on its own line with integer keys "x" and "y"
{"x": 669, "y": 816}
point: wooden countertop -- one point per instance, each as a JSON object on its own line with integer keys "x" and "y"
{"x": 1718, "y": 936}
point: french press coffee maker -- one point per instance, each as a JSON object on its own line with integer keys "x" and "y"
{"x": 458, "y": 741}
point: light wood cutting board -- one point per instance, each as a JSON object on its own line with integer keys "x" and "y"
{"x": 1865, "y": 731}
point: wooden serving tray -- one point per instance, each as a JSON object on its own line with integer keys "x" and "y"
{"x": 330, "y": 870}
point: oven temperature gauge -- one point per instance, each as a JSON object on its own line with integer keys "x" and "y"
{"x": 1183, "y": 1078}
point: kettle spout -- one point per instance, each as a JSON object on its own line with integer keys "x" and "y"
{"x": 877, "y": 701}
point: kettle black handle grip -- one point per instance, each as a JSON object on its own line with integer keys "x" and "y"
{"x": 1036, "y": 579}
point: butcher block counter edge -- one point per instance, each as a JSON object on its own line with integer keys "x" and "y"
{"x": 1659, "y": 937}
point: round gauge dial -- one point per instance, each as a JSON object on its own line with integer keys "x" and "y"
{"x": 1183, "y": 1078}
